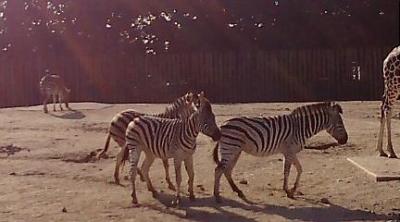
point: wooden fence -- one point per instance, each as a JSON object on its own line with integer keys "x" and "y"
{"x": 251, "y": 76}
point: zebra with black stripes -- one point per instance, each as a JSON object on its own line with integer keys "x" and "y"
{"x": 167, "y": 138}
{"x": 182, "y": 107}
{"x": 284, "y": 134}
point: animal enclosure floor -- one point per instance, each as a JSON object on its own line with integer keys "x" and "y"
{"x": 381, "y": 168}
{"x": 48, "y": 172}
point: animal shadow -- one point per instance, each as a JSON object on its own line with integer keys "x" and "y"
{"x": 69, "y": 114}
{"x": 318, "y": 212}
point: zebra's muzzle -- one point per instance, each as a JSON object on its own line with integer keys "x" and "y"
{"x": 343, "y": 140}
{"x": 216, "y": 135}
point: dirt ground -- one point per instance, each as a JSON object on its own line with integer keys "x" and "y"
{"x": 46, "y": 169}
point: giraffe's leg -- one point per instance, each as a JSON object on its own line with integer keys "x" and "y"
{"x": 148, "y": 161}
{"x": 380, "y": 135}
{"x": 178, "y": 175}
{"x": 299, "y": 169}
{"x": 228, "y": 175}
{"x": 392, "y": 154}
{"x": 134, "y": 155}
{"x": 286, "y": 171}
{"x": 190, "y": 171}
{"x": 167, "y": 178}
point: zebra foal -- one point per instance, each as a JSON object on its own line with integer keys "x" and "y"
{"x": 284, "y": 134}
{"x": 54, "y": 86}
{"x": 166, "y": 138}
{"x": 181, "y": 108}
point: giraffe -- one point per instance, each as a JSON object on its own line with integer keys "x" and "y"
{"x": 391, "y": 77}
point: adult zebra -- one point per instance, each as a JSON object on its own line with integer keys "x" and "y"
{"x": 166, "y": 138}
{"x": 284, "y": 134}
{"x": 182, "y": 107}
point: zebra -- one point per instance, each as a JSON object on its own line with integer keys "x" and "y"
{"x": 263, "y": 136}
{"x": 182, "y": 107}
{"x": 52, "y": 85}
{"x": 166, "y": 138}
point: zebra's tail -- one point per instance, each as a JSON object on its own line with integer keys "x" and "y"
{"x": 215, "y": 154}
{"x": 103, "y": 152}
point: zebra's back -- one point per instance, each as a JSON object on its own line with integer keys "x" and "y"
{"x": 155, "y": 135}
{"x": 120, "y": 122}
{"x": 51, "y": 84}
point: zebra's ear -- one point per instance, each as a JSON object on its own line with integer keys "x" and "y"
{"x": 201, "y": 95}
{"x": 189, "y": 97}
{"x": 338, "y": 108}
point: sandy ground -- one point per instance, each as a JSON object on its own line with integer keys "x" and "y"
{"x": 44, "y": 169}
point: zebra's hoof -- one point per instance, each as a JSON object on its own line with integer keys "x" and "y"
{"x": 171, "y": 187}
{"x": 176, "y": 202}
{"x": 154, "y": 194}
{"x": 383, "y": 154}
{"x": 393, "y": 155}
{"x": 217, "y": 199}
{"x": 192, "y": 197}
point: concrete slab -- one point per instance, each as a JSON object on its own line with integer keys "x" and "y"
{"x": 75, "y": 106}
{"x": 381, "y": 168}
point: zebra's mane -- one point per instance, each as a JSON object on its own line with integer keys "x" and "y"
{"x": 313, "y": 107}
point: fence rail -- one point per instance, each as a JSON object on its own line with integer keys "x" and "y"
{"x": 251, "y": 76}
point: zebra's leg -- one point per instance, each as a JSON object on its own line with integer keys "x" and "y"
{"x": 225, "y": 166}
{"x": 228, "y": 175}
{"x": 45, "y": 104}
{"x": 219, "y": 170}
{"x": 286, "y": 171}
{"x": 60, "y": 99}
{"x": 118, "y": 163}
{"x": 54, "y": 102}
{"x": 299, "y": 169}
{"x": 148, "y": 161}
{"x": 134, "y": 155}
{"x": 190, "y": 171}
{"x": 167, "y": 178}
{"x": 392, "y": 154}
{"x": 178, "y": 177}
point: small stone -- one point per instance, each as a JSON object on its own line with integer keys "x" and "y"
{"x": 339, "y": 180}
{"x": 201, "y": 187}
{"x": 325, "y": 201}
{"x": 280, "y": 159}
{"x": 64, "y": 210}
{"x": 243, "y": 181}
{"x": 100, "y": 169}
{"x": 12, "y": 174}
{"x": 271, "y": 194}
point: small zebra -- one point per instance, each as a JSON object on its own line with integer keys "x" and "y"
{"x": 53, "y": 86}
{"x": 183, "y": 107}
{"x": 166, "y": 138}
{"x": 284, "y": 134}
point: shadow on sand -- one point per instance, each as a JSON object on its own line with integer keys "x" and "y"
{"x": 331, "y": 212}
{"x": 321, "y": 147}
{"x": 69, "y": 114}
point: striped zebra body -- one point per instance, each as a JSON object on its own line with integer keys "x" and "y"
{"x": 284, "y": 134}
{"x": 53, "y": 86}
{"x": 183, "y": 107}
{"x": 166, "y": 138}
